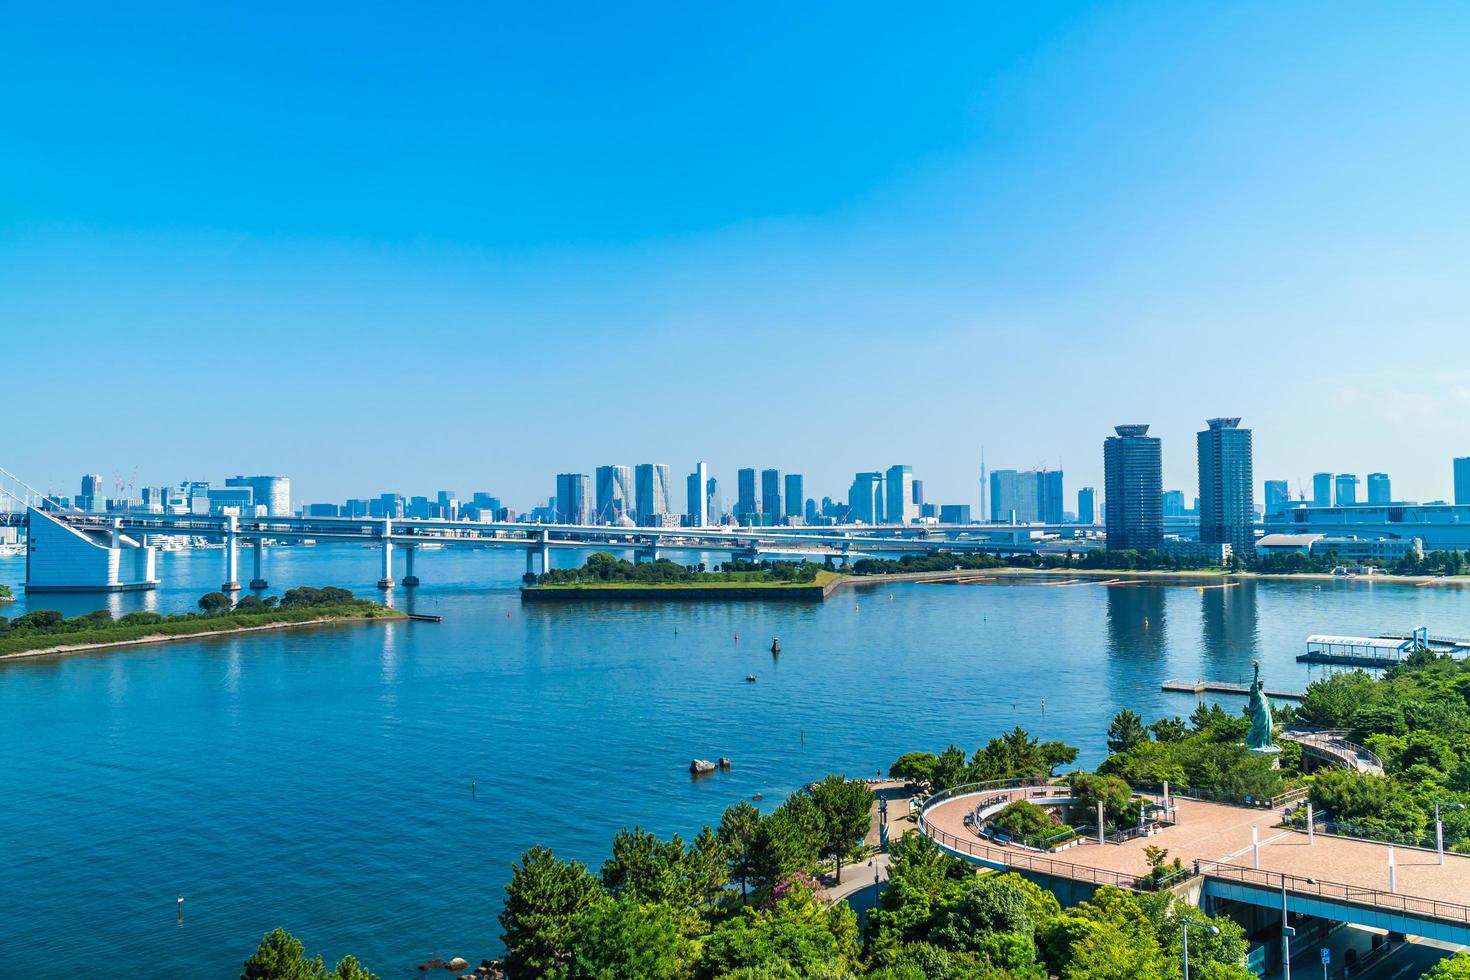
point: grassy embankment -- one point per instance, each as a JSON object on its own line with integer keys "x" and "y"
{"x": 823, "y": 577}
{"x": 120, "y": 633}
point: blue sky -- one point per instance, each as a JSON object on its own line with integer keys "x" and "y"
{"x": 409, "y": 247}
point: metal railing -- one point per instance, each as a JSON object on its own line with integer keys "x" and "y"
{"x": 1015, "y": 860}
{"x": 1359, "y": 895}
{"x": 1232, "y": 799}
{"x": 1333, "y": 742}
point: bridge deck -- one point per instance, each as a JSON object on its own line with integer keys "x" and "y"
{"x": 1212, "y": 832}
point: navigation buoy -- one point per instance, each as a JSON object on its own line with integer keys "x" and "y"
{"x": 776, "y": 646}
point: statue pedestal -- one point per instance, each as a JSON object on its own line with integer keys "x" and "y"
{"x": 1272, "y": 751}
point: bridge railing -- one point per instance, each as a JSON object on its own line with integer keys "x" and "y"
{"x": 1232, "y": 799}
{"x": 1359, "y": 895}
{"x": 1018, "y": 860}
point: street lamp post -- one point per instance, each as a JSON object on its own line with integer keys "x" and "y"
{"x": 1439, "y": 826}
{"x": 1184, "y": 923}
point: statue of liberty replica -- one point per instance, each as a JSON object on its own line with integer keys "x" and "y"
{"x": 1258, "y": 739}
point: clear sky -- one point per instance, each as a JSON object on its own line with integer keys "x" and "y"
{"x": 413, "y": 246}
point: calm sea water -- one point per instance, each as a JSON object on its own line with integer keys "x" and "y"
{"x": 321, "y": 780}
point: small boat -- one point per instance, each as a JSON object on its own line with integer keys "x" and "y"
{"x": 750, "y": 678}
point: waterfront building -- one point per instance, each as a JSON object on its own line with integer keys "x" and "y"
{"x": 1321, "y": 489}
{"x": 865, "y": 499}
{"x": 418, "y": 508}
{"x": 1462, "y": 480}
{"x": 954, "y": 514}
{"x": 357, "y": 507}
{"x": 1050, "y": 492}
{"x": 1026, "y": 496}
{"x": 1380, "y": 491}
{"x": 651, "y": 483}
{"x": 1173, "y": 503}
{"x": 1132, "y": 489}
{"x": 1087, "y": 506}
{"x": 715, "y": 501}
{"x": 1348, "y": 547}
{"x": 322, "y": 510}
{"x": 770, "y": 497}
{"x": 795, "y": 495}
{"x": 698, "y": 509}
{"x": 1442, "y": 527}
{"x": 573, "y": 498}
{"x": 747, "y": 495}
{"x": 390, "y": 505}
{"x": 614, "y": 499}
{"x": 918, "y": 495}
{"x": 900, "y": 495}
{"x": 99, "y": 561}
{"x": 91, "y": 498}
{"x": 273, "y": 492}
{"x": 1278, "y": 494}
{"x": 1227, "y": 505}
{"x": 1346, "y": 494}
{"x": 812, "y": 513}
{"x": 232, "y": 500}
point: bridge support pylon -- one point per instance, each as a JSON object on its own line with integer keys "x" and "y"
{"x": 386, "y": 582}
{"x": 232, "y": 555}
{"x": 410, "y": 580}
{"x": 258, "y": 582}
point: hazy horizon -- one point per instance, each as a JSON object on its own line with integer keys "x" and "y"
{"x": 381, "y": 248}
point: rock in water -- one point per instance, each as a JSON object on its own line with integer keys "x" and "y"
{"x": 457, "y": 964}
{"x": 724, "y": 762}
{"x": 701, "y": 765}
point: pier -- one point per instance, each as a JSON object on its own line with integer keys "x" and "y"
{"x": 1199, "y": 687}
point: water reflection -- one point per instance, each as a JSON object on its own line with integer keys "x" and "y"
{"x": 1230, "y": 630}
{"x": 1137, "y": 627}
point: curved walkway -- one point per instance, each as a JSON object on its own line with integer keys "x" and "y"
{"x": 1332, "y": 746}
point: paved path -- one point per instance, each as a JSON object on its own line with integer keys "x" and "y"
{"x": 1214, "y": 832}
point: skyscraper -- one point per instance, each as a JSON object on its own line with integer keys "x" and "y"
{"x": 795, "y": 496}
{"x": 1133, "y": 463}
{"x": 698, "y": 510}
{"x": 865, "y": 499}
{"x": 272, "y": 491}
{"x": 1346, "y": 490}
{"x": 1227, "y": 504}
{"x": 1462, "y": 479}
{"x": 573, "y": 498}
{"x": 1050, "y": 493}
{"x": 651, "y": 483}
{"x": 1380, "y": 491}
{"x": 1321, "y": 489}
{"x": 770, "y": 497}
{"x": 1278, "y": 494}
{"x": 917, "y": 492}
{"x": 714, "y": 502}
{"x": 747, "y": 496}
{"x": 91, "y": 497}
{"x": 1173, "y": 503}
{"x": 900, "y": 495}
{"x": 1087, "y": 506}
{"x": 614, "y": 494}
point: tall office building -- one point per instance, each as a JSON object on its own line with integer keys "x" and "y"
{"x": 272, "y": 491}
{"x": 795, "y": 495}
{"x": 1380, "y": 491}
{"x": 698, "y": 511}
{"x": 614, "y": 498}
{"x": 1133, "y": 463}
{"x": 1050, "y": 492}
{"x": 1321, "y": 489}
{"x": 1278, "y": 495}
{"x": 573, "y": 498}
{"x": 900, "y": 495}
{"x": 865, "y": 499}
{"x": 651, "y": 485}
{"x": 1227, "y": 503}
{"x": 1462, "y": 479}
{"x": 747, "y": 496}
{"x": 714, "y": 502}
{"x": 91, "y": 497}
{"x": 1087, "y": 506}
{"x": 1346, "y": 493}
{"x": 1173, "y": 503}
{"x": 770, "y": 497}
{"x": 917, "y": 492}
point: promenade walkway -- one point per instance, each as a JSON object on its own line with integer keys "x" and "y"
{"x": 1213, "y": 833}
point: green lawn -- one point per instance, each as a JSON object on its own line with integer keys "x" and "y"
{"x": 204, "y": 624}
{"x": 823, "y": 577}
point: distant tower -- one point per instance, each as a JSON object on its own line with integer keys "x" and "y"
{"x": 1133, "y": 489}
{"x": 1227, "y": 506}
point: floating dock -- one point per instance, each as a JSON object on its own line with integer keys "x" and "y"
{"x": 1226, "y": 687}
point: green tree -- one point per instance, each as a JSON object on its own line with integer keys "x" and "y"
{"x": 1333, "y": 701}
{"x": 917, "y": 767}
{"x": 787, "y": 843}
{"x": 1169, "y": 729}
{"x": 950, "y": 770}
{"x": 738, "y": 829}
{"x": 1114, "y": 794}
{"x": 348, "y": 968}
{"x": 214, "y": 603}
{"x": 846, "y": 809}
{"x": 798, "y": 937}
{"x": 1457, "y": 967}
{"x": 614, "y": 939}
{"x": 984, "y": 904}
{"x": 1126, "y": 731}
{"x": 709, "y": 864}
{"x": 542, "y": 898}
{"x": 647, "y": 869}
{"x": 280, "y": 956}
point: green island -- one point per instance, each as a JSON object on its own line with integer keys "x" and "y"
{"x": 5, "y": 594}
{"x": 603, "y": 576}
{"x": 45, "y": 630}
{"x": 746, "y": 899}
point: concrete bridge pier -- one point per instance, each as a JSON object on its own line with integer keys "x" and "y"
{"x": 410, "y": 580}
{"x": 232, "y": 555}
{"x": 386, "y": 582}
{"x": 259, "y": 582}
{"x": 530, "y": 561}
{"x": 545, "y": 553}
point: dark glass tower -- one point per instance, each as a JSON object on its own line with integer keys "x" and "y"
{"x": 1227, "y": 503}
{"x": 1133, "y": 481}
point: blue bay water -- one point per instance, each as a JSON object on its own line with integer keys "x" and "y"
{"x": 320, "y": 779}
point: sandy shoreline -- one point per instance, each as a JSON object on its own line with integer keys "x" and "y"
{"x": 155, "y": 638}
{"x": 1192, "y": 577}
